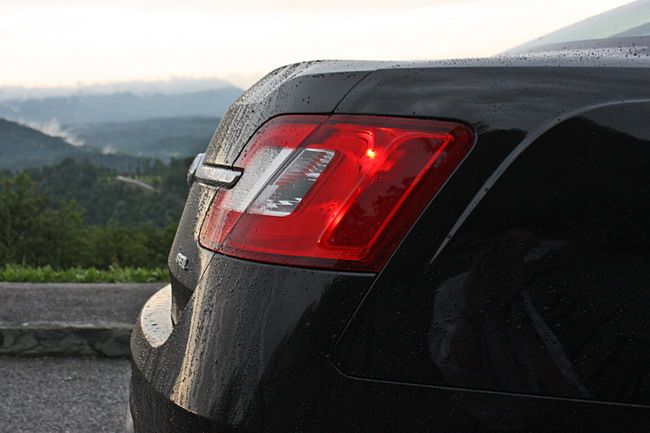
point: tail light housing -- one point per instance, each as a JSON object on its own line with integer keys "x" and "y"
{"x": 337, "y": 192}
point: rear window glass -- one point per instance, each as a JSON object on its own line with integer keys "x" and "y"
{"x": 631, "y": 20}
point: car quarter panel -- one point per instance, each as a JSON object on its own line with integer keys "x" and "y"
{"x": 251, "y": 334}
{"x": 253, "y": 349}
{"x": 310, "y": 87}
{"x": 540, "y": 288}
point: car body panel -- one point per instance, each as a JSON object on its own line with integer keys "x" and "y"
{"x": 253, "y": 347}
{"x": 311, "y": 87}
{"x": 541, "y": 290}
{"x": 256, "y": 331}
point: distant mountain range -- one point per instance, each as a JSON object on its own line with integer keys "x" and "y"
{"x": 118, "y": 107}
{"x": 171, "y": 86}
{"x": 22, "y": 147}
{"x": 162, "y": 138}
{"x": 118, "y": 125}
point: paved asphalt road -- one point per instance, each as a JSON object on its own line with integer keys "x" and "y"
{"x": 59, "y": 395}
{"x": 25, "y": 302}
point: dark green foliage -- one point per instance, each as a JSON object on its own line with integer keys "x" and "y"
{"x": 143, "y": 246}
{"x": 173, "y": 178}
{"x": 20, "y": 207}
{"x": 42, "y": 214}
{"x": 114, "y": 274}
{"x": 107, "y": 200}
{"x": 34, "y": 233}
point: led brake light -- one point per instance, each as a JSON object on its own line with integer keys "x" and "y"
{"x": 335, "y": 192}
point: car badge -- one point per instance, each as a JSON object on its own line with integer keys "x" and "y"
{"x": 182, "y": 261}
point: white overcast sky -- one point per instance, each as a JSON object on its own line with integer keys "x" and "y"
{"x": 71, "y": 42}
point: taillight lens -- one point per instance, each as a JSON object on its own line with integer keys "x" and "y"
{"x": 335, "y": 192}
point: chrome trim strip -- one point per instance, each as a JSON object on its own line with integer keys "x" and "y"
{"x": 198, "y": 161}
{"x": 217, "y": 176}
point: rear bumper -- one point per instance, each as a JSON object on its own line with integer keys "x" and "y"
{"x": 251, "y": 351}
{"x": 149, "y": 410}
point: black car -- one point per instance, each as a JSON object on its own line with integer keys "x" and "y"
{"x": 452, "y": 246}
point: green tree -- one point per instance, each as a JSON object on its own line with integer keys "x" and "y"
{"x": 21, "y": 206}
{"x": 143, "y": 246}
{"x": 64, "y": 232}
{"x": 33, "y": 233}
{"x": 129, "y": 226}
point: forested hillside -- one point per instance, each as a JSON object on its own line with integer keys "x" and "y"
{"x": 162, "y": 138}
{"x": 106, "y": 199}
{"x": 94, "y": 177}
{"x": 77, "y": 214}
{"x": 22, "y": 147}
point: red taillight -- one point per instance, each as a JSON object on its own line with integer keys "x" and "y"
{"x": 336, "y": 193}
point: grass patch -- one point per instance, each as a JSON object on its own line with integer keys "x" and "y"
{"x": 114, "y": 274}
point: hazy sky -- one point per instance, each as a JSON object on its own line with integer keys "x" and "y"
{"x": 68, "y": 42}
